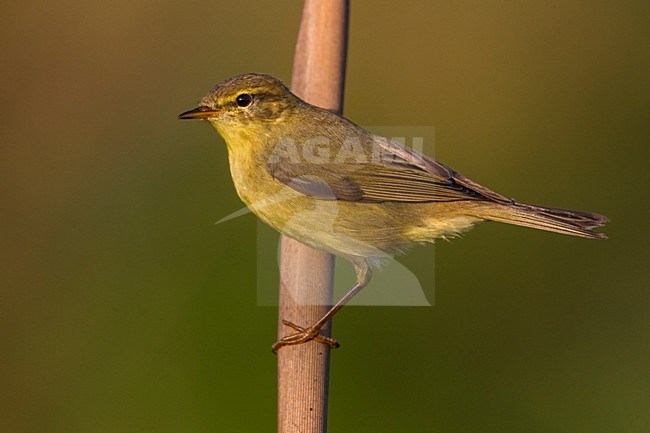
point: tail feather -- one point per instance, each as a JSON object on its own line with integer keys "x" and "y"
{"x": 564, "y": 221}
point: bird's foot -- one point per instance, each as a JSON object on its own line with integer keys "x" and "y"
{"x": 303, "y": 335}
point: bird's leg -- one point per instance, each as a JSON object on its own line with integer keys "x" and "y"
{"x": 303, "y": 335}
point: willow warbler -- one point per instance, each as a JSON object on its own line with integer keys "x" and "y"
{"x": 319, "y": 178}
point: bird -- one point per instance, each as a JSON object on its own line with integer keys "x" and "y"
{"x": 321, "y": 179}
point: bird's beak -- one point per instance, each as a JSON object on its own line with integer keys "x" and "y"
{"x": 200, "y": 112}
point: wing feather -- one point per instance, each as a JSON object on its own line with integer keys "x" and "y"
{"x": 400, "y": 175}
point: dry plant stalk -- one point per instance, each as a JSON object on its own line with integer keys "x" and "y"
{"x": 306, "y": 274}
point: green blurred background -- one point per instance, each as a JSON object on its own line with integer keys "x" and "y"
{"x": 123, "y": 308}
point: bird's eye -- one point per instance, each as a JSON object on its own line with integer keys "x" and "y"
{"x": 244, "y": 100}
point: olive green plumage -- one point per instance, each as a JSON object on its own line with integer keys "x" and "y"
{"x": 323, "y": 180}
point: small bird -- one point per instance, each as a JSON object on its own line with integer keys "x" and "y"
{"x": 317, "y": 177}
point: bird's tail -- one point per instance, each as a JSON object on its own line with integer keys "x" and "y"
{"x": 569, "y": 222}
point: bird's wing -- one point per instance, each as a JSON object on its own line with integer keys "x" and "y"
{"x": 398, "y": 175}
{"x": 410, "y": 157}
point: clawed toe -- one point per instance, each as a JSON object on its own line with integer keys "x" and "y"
{"x": 303, "y": 335}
